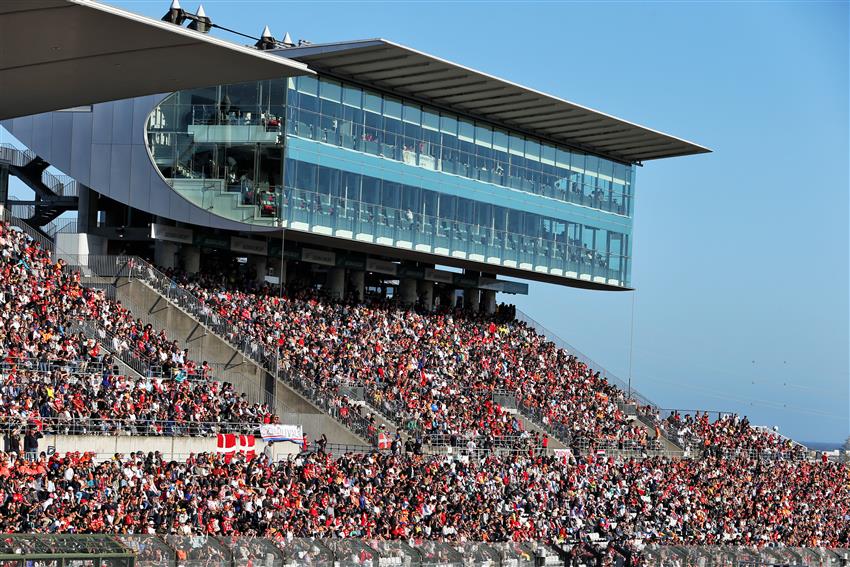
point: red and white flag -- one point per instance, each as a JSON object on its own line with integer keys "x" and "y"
{"x": 227, "y": 444}
{"x": 383, "y": 441}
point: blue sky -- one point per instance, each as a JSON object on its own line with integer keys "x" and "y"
{"x": 741, "y": 256}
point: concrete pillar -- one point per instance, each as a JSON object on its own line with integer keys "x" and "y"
{"x": 358, "y": 284}
{"x": 4, "y": 184}
{"x": 191, "y": 258}
{"x": 86, "y": 209}
{"x": 426, "y": 293}
{"x": 165, "y": 254}
{"x": 407, "y": 291}
{"x": 472, "y": 299}
{"x": 336, "y": 283}
{"x": 489, "y": 300}
{"x": 260, "y": 264}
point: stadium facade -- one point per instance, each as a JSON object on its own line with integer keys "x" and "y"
{"x": 372, "y": 172}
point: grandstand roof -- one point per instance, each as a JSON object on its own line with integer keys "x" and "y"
{"x": 64, "y": 53}
{"x": 435, "y": 81}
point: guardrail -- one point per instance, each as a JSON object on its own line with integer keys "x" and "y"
{"x": 560, "y": 343}
{"x": 61, "y": 185}
{"x": 134, "y": 427}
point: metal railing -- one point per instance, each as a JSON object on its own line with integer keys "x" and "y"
{"x": 135, "y": 427}
{"x": 9, "y": 217}
{"x": 61, "y": 185}
{"x": 610, "y": 377}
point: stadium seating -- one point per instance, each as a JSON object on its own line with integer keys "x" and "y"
{"x": 384, "y": 496}
{"x": 66, "y": 383}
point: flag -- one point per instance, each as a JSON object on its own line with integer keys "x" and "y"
{"x": 383, "y": 441}
{"x": 228, "y": 444}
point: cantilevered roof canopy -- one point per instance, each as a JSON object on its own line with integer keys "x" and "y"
{"x": 57, "y": 54}
{"x": 438, "y": 82}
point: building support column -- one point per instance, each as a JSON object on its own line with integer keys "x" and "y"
{"x": 336, "y": 283}
{"x": 260, "y": 269}
{"x": 407, "y": 291}
{"x": 165, "y": 254}
{"x": 358, "y": 284}
{"x": 489, "y": 300}
{"x": 4, "y": 185}
{"x": 86, "y": 209}
{"x": 191, "y": 259}
{"x": 426, "y": 293}
{"x": 472, "y": 299}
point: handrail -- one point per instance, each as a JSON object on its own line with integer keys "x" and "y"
{"x": 61, "y": 185}
{"x": 561, "y": 343}
{"x": 139, "y": 426}
{"x": 138, "y": 268}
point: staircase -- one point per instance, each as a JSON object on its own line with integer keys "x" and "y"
{"x": 54, "y": 195}
{"x": 188, "y": 320}
{"x": 213, "y": 195}
{"x": 668, "y": 445}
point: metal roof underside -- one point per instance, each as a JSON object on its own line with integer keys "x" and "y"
{"x": 57, "y": 54}
{"x": 431, "y": 80}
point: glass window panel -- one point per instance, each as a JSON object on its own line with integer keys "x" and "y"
{"x": 448, "y": 125}
{"x": 371, "y": 102}
{"x": 483, "y": 136}
{"x": 548, "y": 154}
{"x": 562, "y": 158}
{"x": 351, "y": 96}
{"x": 516, "y": 145}
{"x": 577, "y": 162}
{"x": 308, "y": 85}
{"x": 330, "y": 90}
{"x": 392, "y": 108}
{"x": 620, "y": 173}
{"x": 290, "y": 83}
{"x": 412, "y": 114}
{"x": 466, "y": 131}
{"x": 532, "y": 150}
{"x": 430, "y": 120}
{"x": 591, "y": 165}
{"x": 500, "y": 140}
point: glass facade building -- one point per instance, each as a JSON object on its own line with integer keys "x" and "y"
{"x": 331, "y": 158}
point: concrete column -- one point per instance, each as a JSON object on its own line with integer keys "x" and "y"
{"x": 86, "y": 209}
{"x": 260, "y": 265}
{"x": 426, "y": 292}
{"x": 336, "y": 283}
{"x": 472, "y": 299}
{"x": 165, "y": 254}
{"x": 489, "y": 300}
{"x": 191, "y": 258}
{"x": 4, "y": 184}
{"x": 358, "y": 284}
{"x": 407, "y": 291}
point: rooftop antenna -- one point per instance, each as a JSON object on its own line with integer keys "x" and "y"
{"x": 201, "y": 22}
{"x": 266, "y": 41}
{"x": 175, "y": 14}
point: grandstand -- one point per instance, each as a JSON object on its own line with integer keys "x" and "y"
{"x": 273, "y": 334}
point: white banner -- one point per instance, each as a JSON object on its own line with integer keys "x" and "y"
{"x": 249, "y": 246}
{"x": 322, "y": 257}
{"x": 171, "y": 233}
{"x": 381, "y": 266}
{"x": 441, "y": 276}
{"x": 275, "y": 432}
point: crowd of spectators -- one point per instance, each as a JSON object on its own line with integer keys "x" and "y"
{"x": 434, "y": 374}
{"x": 67, "y": 382}
{"x": 551, "y": 499}
{"x": 728, "y": 435}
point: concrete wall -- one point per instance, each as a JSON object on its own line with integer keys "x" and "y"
{"x": 177, "y": 448}
{"x": 242, "y": 372}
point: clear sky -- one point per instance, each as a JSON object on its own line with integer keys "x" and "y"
{"x": 740, "y": 257}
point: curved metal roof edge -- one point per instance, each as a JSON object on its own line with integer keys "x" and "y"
{"x": 186, "y": 32}
{"x": 336, "y": 47}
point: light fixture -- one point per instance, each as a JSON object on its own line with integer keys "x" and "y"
{"x": 175, "y": 14}
{"x": 200, "y": 21}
